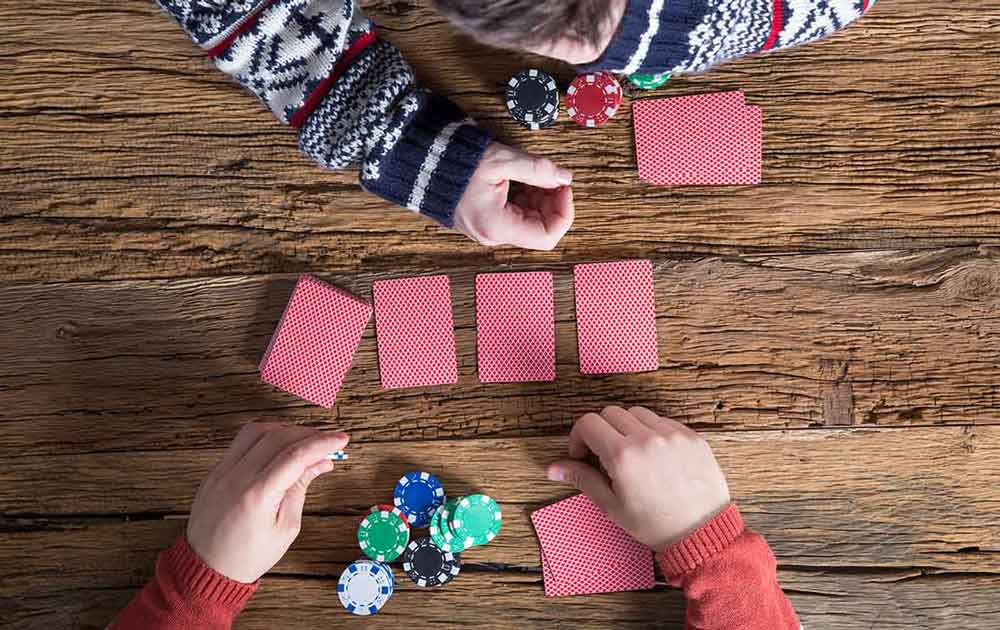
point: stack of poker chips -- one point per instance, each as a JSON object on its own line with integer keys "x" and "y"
{"x": 593, "y": 98}
{"x": 384, "y": 536}
{"x": 533, "y": 98}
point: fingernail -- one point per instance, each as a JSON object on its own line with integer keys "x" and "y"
{"x": 564, "y": 177}
{"x": 555, "y": 473}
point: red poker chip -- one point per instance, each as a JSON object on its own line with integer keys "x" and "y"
{"x": 592, "y": 99}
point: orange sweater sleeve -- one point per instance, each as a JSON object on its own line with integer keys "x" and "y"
{"x": 184, "y": 593}
{"x": 729, "y": 577}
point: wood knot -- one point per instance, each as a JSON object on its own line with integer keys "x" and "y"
{"x": 975, "y": 281}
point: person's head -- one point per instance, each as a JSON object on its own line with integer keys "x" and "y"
{"x": 576, "y": 31}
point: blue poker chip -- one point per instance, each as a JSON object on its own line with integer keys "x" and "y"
{"x": 337, "y": 456}
{"x": 417, "y": 495}
{"x": 365, "y": 586}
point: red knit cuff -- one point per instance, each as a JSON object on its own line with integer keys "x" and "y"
{"x": 705, "y": 542}
{"x": 201, "y": 581}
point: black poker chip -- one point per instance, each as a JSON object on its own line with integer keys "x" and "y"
{"x": 533, "y": 98}
{"x": 428, "y": 565}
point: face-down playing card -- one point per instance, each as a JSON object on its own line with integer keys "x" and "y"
{"x": 415, "y": 333}
{"x": 616, "y": 317}
{"x": 703, "y": 140}
{"x": 584, "y": 552}
{"x": 312, "y": 347}
{"x": 515, "y": 327}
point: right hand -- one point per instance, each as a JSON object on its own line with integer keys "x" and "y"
{"x": 248, "y": 510}
{"x": 662, "y": 480}
{"x": 536, "y": 217}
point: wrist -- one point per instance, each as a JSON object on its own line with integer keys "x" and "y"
{"x": 706, "y": 541}
{"x": 199, "y": 581}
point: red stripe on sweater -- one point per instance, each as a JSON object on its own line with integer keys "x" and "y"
{"x": 777, "y": 17}
{"x": 317, "y": 95}
{"x": 247, "y": 24}
{"x": 864, "y": 5}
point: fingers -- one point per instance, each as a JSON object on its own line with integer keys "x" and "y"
{"x": 244, "y": 441}
{"x": 292, "y": 462}
{"x": 587, "y": 480}
{"x": 658, "y": 423}
{"x": 290, "y": 511}
{"x": 509, "y": 163}
{"x": 267, "y": 447}
{"x": 540, "y": 228}
{"x": 593, "y": 434}
{"x": 624, "y": 421}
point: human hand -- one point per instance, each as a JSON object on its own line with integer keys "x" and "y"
{"x": 535, "y": 217}
{"x": 662, "y": 480}
{"x": 248, "y": 511}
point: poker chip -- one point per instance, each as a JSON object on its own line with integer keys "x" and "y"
{"x": 383, "y": 535}
{"x": 365, "y": 586}
{"x": 417, "y": 495}
{"x": 648, "y": 81}
{"x": 592, "y": 99}
{"x": 386, "y": 507}
{"x": 533, "y": 98}
{"x": 440, "y": 528}
{"x": 477, "y": 520}
{"x": 428, "y": 565}
{"x": 337, "y": 456}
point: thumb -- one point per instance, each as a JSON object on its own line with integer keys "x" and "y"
{"x": 532, "y": 170}
{"x": 587, "y": 480}
{"x": 290, "y": 513}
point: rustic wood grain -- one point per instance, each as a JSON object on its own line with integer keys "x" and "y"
{"x": 124, "y": 154}
{"x": 884, "y": 338}
{"x": 895, "y": 600}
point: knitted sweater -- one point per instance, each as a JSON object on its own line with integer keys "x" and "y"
{"x": 727, "y": 573}
{"x": 694, "y": 35}
{"x": 319, "y": 67}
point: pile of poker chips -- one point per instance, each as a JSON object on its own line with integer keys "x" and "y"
{"x": 429, "y": 561}
{"x": 533, "y": 98}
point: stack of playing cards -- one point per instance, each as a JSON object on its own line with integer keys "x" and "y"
{"x": 584, "y": 552}
{"x": 704, "y": 140}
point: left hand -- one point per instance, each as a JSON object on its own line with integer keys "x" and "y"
{"x": 536, "y": 217}
{"x": 248, "y": 510}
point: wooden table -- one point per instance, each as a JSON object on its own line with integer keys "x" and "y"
{"x": 833, "y": 331}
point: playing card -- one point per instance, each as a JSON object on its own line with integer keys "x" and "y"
{"x": 515, "y": 327}
{"x": 708, "y": 139}
{"x": 616, "y": 317}
{"x": 315, "y": 340}
{"x": 584, "y": 552}
{"x": 416, "y": 337}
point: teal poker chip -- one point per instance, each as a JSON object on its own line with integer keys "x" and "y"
{"x": 648, "y": 81}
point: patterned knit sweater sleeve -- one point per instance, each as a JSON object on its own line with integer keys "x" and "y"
{"x": 693, "y": 35}
{"x": 319, "y": 67}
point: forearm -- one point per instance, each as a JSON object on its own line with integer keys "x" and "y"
{"x": 694, "y": 35}
{"x": 318, "y": 66}
{"x": 729, "y": 578}
{"x": 184, "y": 593}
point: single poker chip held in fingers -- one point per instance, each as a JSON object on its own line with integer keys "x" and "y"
{"x": 533, "y": 98}
{"x": 428, "y": 565}
{"x": 477, "y": 520}
{"x": 417, "y": 495}
{"x": 365, "y": 586}
{"x": 383, "y": 535}
{"x": 593, "y": 98}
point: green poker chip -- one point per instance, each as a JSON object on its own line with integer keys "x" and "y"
{"x": 476, "y": 520}
{"x": 648, "y": 81}
{"x": 440, "y": 528}
{"x": 383, "y": 536}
